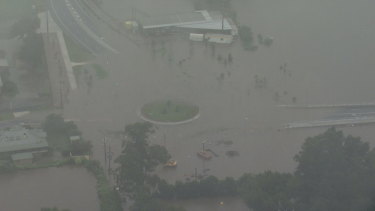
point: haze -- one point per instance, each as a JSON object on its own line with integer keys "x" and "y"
{"x": 322, "y": 54}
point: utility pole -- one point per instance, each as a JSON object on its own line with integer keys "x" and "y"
{"x": 109, "y": 158}
{"x": 61, "y": 83}
{"x": 105, "y": 151}
{"x": 47, "y": 22}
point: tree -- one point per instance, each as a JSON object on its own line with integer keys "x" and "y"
{"x": 109, "y": 198}
{"x": 138, "y": 159}
{"x": 206, "y": 187}
{"x": 9, "y": 89}
{"x": 335, "y": 172}
{"x": 246, "y": 37}
{"x": 268, "y": 191}
{"x": 158, "y": 155}
{"x": 32, "y": 51}
{"x": 55, "y": 125}
{"x": 25, "y": 26}
{"x": 59, "y": 133}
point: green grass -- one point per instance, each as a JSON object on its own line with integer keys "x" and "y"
{"x": 100, "y": 72}
{"x": 169, "y": 111}
{"x": 77, "y": 53}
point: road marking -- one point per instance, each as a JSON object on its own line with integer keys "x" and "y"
{"x": 97, "y": 38}
{"x": 87, "y": 120}
{"x": 67, "y": 28}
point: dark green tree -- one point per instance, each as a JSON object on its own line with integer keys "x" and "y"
{"x": 247, "y": 38}
{"x": 206, "y": 187}
{"x": 268, "y": 191}
{"x": 138, "y": 159}
{"x": 109, "y": 198}
{"x": 9, "y": 89}
{"x": 31, "y": 52}
{"x": 25, "y": 26}
{"x": 55, "y": 125}
{"x": 58, "y": 135}
{"x": 334, "y": 173}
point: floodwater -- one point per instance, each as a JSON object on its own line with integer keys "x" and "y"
{"x": 326, "y": 46}
{"x": 65, "y": 188}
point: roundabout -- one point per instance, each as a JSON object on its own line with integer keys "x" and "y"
{"x": 169, "y": 112}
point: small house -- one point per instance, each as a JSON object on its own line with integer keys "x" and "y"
{"x": 25, "y": 158}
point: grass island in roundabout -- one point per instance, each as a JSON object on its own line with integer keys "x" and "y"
{"x": 169, "y": 112}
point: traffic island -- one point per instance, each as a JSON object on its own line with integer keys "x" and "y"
{"x": 169, "y": 112}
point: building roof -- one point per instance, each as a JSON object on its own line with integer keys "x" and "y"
{"x": 198, "y": 19}
{"x": 212, "y": 25}
{"x": 18, "y": 138}
{"x": 22, "y": 156}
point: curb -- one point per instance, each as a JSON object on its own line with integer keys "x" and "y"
{"x": 139, "y": 113}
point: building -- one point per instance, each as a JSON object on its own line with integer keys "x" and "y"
{"x": 23, "y": 158}
{"x": 23, "y": 144}
{"x": 201, "y": 21}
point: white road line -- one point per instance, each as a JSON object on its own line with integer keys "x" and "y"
{"x": 97, "y": 38}
{"x": 67, "y": 28}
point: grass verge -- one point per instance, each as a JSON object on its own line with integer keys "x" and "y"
{"x": 77, "y": 53}
{"x": 100, "y": 72}
{"x": 169, "y": 111}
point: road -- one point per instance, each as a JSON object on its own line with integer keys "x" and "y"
{"x": 72, "y": 19}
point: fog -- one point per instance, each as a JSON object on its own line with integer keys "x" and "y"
{"x": 322, "y": 54}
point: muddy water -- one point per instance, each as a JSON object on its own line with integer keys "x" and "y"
{"x": 327, "y": 47}
{"x": 65, "y": 188}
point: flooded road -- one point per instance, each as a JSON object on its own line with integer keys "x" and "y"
{"x": 328, "y": 52}
{"x": 65, "y": 188}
